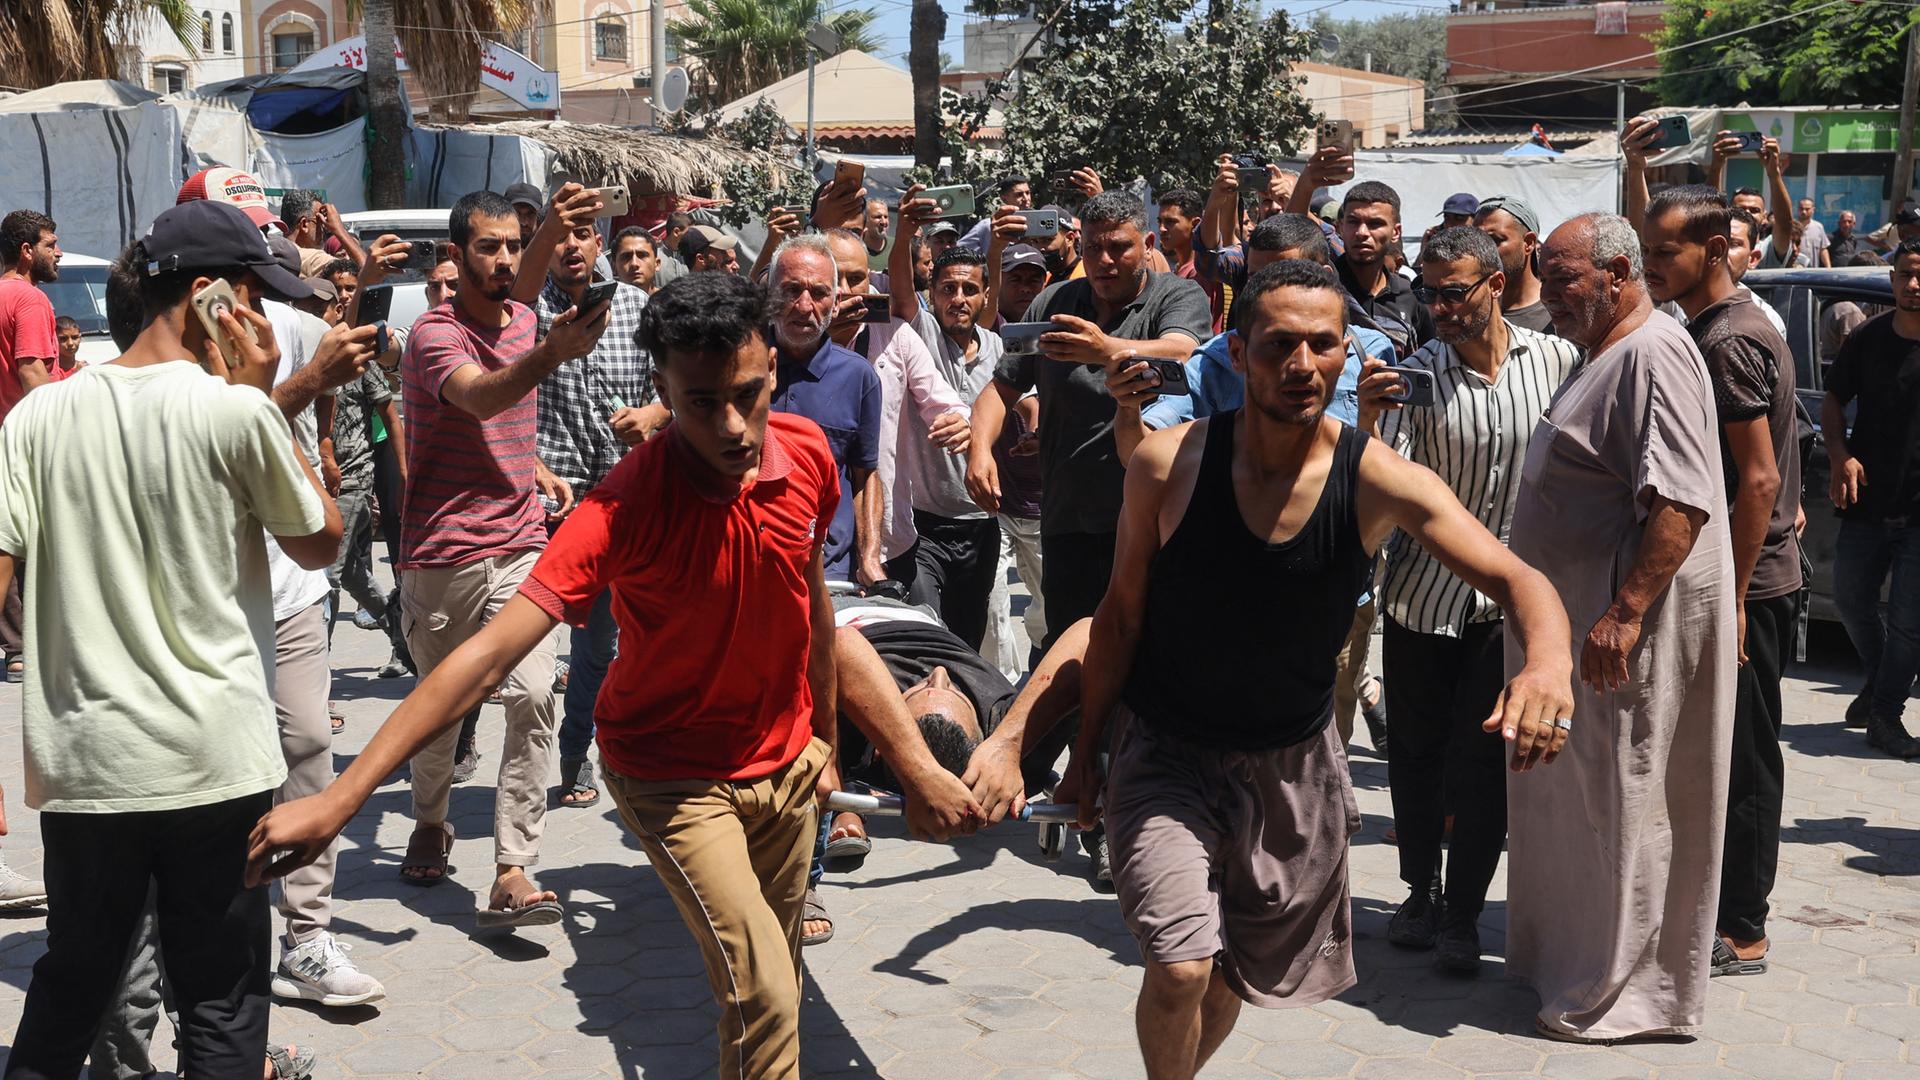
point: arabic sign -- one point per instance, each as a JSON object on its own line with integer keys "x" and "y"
{"x": 520, "y": 79}
{"x": 1858, "y": 131}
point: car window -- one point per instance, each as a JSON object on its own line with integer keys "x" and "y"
{"x": 80, "y": 294}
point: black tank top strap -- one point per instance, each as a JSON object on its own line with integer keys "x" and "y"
{"x": 1213, "y": 484}
{"x": 1343, "y": 483}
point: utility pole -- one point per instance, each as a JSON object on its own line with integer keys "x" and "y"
{"x": 1619, "y": 125}
{"x": 1903, "y": 160}
{"x": 657, "y": 53}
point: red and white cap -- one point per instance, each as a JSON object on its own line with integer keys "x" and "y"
{"x": 233, "y": 187}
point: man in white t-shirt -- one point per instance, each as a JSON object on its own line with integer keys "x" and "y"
{"x": 140, "y": 494}
{"x": 313, "y": 966}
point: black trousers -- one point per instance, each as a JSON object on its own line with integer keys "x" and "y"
{"x": 1439, "y": 761}
{"x": 1077, "y": 566}
{"x": 952, "y": 570}
{"x": 1757, "y": 780}
{"x": 214, "y": 936}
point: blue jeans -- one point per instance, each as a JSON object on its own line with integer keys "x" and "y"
{"x": 1889, "y": 648}
{"x": 592, "y": 649}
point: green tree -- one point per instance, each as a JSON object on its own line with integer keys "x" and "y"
{"x": 1852, "y": 53}
{"x": 43, "y": 42}
{"x": 1157, "y": 89}
{"x": 745, "y": 45}
{"x": 1412, "y": 45}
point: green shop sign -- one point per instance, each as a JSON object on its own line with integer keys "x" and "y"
{"x": 1860, "y": 131}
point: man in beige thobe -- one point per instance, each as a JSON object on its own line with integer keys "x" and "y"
{"x": 1615, "y": 856}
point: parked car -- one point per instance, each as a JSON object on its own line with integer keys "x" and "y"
{"x": 409, "y": 286}
{"x": 81, "y": 293}
{"x": 1802, "y": 296}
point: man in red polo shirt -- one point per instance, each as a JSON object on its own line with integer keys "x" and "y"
{"x": 717, "y": 718}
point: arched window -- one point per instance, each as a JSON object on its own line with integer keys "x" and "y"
{"x": 610, "y": 37}
{"x": 226, "y": 34}
{"x": 206, "y": 31}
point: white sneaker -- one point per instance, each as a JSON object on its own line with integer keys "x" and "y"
{"x": 17, "y": 891}
{"x": 318, "y": 970}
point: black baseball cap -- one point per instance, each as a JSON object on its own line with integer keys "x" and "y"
{"x": 1462, "y": 204}
{"x": 207, "y": 235}
{"x": 1908, "y": 215}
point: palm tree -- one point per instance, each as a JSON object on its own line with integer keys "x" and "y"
{"x": 744, "y": 45}
{"x": 443, "y": 40}
{"x": 387, "y": 164}
{"x": 43, "y": 42}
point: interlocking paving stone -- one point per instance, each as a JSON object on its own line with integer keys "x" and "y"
{"x": 982, "y": 959}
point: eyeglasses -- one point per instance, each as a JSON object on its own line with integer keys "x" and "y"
{"x": 1451, "y": 294}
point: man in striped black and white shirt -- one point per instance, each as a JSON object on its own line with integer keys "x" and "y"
{"x": 1491, "y": 381}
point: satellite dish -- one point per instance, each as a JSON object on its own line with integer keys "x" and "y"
{"x": 1329, "y": 44}
{"x": 673, "y": 88}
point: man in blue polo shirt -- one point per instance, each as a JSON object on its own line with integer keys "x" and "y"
{"x": 1216, "y": 387}
{"x": 836, "y": 389}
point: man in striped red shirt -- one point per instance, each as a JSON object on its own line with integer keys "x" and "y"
{"x": 472, "y": 526}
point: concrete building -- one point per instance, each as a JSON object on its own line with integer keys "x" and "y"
{"x": 1382, "y": 108}
{"x": 1496, "y": 49}
{"x": 156, "y": 58}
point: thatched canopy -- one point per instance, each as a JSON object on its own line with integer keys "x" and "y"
{"x": 645, "y": 161}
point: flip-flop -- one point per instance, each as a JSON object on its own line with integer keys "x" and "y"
{"x": 1727, "y": 962}
{"x": 812, "y": 910}
{"x": 846, "y": 853}
{"x": 516, "y": 915}
{"x": 290, "y": 1063}
{"x": 427, "y": 849}
{"x": 576, "y": 783}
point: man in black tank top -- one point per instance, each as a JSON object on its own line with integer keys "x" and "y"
{"x": 1243, "y": 540}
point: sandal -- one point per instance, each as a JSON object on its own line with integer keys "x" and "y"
{"x": 1727, "y": 962}
{"x": 576, "y": 784}
{"x": 846, "y": 853}
{"x": 814, "y": 911}
{"x": 427, "y": 849}
{"x": 290, "y": 1063}
{"x": 336, "y": 718}
{"x": 16, "y": 668}
{"x": 516, "y": 911}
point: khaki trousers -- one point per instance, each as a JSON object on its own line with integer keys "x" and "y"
{"x": 734, "y": 857}
{"x": 302, "y": 677}
{"x": 1353, "y": 669}
{"x": 444, "y": 606}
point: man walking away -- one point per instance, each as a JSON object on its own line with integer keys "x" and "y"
{"x": 1227, "y": 798}
{"x": 1751, "y": 370}
{"x": 1876, "y": 487}
{"x": 1492, "y": 379}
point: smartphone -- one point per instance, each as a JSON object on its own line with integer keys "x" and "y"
{"x": 597, "y": 294}
{"x": 799, "y": 210}
{"x": 421, "y": 255}
{"x": 879, "y": 308}
{"x": 209, "y": 304}
{"x": 849, "y": 174}
{"x": 954, "y": 201}
{"x": 1672, "y": 133}
{"x": 1751, "y": 142}
{"x": 1171, "y": 375}
{"x": 375, "y": 302}
{"x": 1061, "y": 182}
{"x": 1337, "y": 133}
{"x": 1041, "y": 224}
{"x": 1023, "y": 337}
{"x": 1418, "y": 384}
{"x": 1253, "y": 173}
{"x": 613, "y": 201}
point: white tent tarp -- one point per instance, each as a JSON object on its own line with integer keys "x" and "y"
{"x": 99, "y": 167}
{"x": 1557, "y": 188}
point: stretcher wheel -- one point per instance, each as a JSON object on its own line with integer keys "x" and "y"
{"x": 1053, "y": 840}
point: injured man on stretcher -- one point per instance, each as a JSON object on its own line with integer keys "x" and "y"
{"x": 967, "y": 748}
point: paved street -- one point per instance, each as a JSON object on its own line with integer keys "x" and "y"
{"x": 980, "y": 959}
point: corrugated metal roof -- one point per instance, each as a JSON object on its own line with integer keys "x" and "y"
{"x": 1465, "y": 137}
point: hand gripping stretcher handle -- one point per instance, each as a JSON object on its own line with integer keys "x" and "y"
{"x": 894, "y": 805}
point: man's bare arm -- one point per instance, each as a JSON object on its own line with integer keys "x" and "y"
{"x": 869, "y": 523}
{"x": 1751, "y": 444}
{"x": 302, "y": 829}
{"x": 487, "y": 394}
{"x": 939, "y": 806}
{"x": 1051, "y": 692}
{"x": 1396, "y": 493}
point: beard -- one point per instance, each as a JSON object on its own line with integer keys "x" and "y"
{"x": 46, "y": 267}
{"x": 481, "y": 281}
{"x": 1468, "y": 328}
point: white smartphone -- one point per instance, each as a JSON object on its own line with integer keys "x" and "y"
{"x": 613, "y": 201}
{"x": 209, "y": 304}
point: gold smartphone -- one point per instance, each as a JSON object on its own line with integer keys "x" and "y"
{"x": 209, "y": 304}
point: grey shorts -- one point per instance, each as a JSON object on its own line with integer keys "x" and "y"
{"x": 1236, "y": 856}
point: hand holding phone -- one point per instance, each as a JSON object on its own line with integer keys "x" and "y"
{"x": 955, "y": 201}
{"x": 613, "y": 201}
{"x": 1022, "y": 338}
{"x": 1338, "y": 133}
{"x": 598, "y": 293}
{"x": 1416, "y": 387}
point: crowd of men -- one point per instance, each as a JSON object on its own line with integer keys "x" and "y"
{"x": 777, "y": 507}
